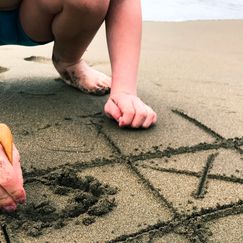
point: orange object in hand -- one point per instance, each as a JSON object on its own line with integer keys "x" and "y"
{"x": 6, "y": 140}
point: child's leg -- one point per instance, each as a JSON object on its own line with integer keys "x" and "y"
{"x": 9, "y": 5}
{"x": 72, "y": 24}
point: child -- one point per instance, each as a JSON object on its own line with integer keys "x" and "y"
{"x": 72, "y": 24}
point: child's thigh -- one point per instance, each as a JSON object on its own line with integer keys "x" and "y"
{"x": 36, "y": 17}
{"x": 9, "y": 5}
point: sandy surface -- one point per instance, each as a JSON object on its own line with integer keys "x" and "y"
{"x": 181, "y": 181}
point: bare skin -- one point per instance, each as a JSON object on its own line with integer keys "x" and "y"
{"x": 81, "y": 76}
{"x": 55, "y": 17}
{"x": 72, "y": 24}
{"x": 11, "y": 181}
{"x": 9, "y": 4}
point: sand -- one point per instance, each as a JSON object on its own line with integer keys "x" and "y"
{"x": 89, "y": 181}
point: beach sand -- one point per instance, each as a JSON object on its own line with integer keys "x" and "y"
{"x": 180, "y": 181}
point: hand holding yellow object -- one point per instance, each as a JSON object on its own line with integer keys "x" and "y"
{"x": 11, "y": 180}
{"x": 6, "y": 140}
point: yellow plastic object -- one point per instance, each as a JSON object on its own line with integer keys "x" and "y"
{"x": 6, "y": 139}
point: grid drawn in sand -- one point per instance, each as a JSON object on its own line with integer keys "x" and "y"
{"x": 192, "y": 224}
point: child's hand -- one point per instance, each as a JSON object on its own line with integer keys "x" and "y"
{"x": 129, "y": 110}
{"x": 11, "y": 181}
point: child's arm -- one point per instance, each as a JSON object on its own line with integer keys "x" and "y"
{"x": 124, "y": 27}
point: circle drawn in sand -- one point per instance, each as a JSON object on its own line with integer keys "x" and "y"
{"x": 87, "y": 197}
{"x": 38, "y": 59}
{"x": 3, "y": 69}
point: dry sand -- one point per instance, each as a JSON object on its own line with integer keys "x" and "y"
{"x": 180, "y": 181}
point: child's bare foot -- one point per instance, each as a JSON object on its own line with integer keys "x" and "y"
{"x": 81, "y": 76}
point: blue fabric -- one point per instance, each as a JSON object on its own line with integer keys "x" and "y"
{"x": 11, "y": 31}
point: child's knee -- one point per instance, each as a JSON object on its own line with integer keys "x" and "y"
{"x": 51, "y": 7}
{"x": 94, "y": 7}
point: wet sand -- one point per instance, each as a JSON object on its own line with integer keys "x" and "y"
{"x": 89, "y": 181}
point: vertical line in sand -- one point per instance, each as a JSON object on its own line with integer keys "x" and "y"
{"x": 5, "y": 233}
{"x": 203, "y": 180}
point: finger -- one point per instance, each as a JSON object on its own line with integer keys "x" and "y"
{"x": 112, "y": 110}
{"x": 11, "y": 178}
{"x": 15, "y": 190}
{"x": 150, "y": 118}
{"x": 140, "y": 113}
{"x": 16, "y": 156}
{"x": 155, "y": 118}
{"x": 17, "y": 165}
{"x": 6, "y": 202}
{"x": 127, "y": 110}
{"x": 20, "y": 196}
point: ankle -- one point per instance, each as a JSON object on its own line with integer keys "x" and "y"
{"x": 64, "y": 63}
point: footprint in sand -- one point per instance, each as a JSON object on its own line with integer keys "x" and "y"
{"x": 38, "y": 59}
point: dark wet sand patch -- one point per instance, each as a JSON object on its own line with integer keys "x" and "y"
{"x": 38, "y": 59}
{"x": 84, "y": 196}
{"x": 3, "y": 69}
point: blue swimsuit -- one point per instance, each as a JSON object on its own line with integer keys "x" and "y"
{"x": 11, "y": 31}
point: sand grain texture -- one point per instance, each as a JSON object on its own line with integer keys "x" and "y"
{"x": 180, "y": 181}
